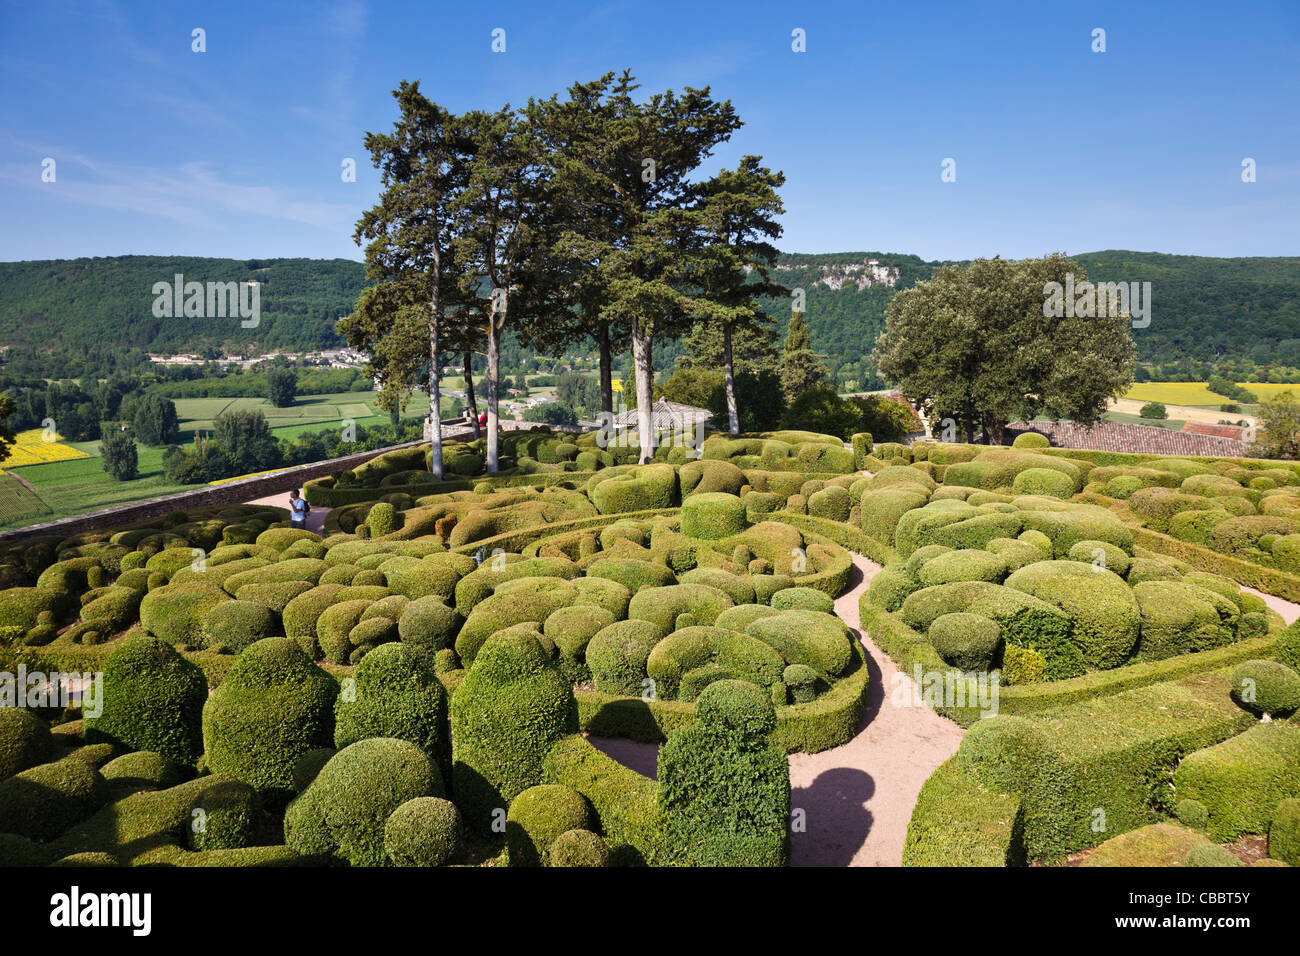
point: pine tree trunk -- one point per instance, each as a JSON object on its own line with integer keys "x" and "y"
{"x": 493, "y": 377}
{"x": 606, "y": 370}
{"x": 644, "y": 390}
{"x": 471, "y": 403}
{"x": 435, "y": 396}
{"x": 733, "y": 414}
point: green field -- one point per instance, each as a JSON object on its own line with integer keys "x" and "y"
{"x": 1196, "y": 393}
{"x": 77, "y": 486}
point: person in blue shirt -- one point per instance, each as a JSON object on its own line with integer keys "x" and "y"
{"x": 297, "y": 510}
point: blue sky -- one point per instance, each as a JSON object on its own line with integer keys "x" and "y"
{"x": 237, "y": 151}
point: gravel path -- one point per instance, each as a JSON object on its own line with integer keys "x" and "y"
{"x": 855, "y": 799}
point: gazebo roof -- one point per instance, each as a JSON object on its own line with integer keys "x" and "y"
{"x": 665, "y": 415}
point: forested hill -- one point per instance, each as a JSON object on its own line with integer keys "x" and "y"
{"x": 109, "y": 301}
{"x": 1204, "y": 309}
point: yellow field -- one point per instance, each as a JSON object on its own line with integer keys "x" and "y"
{"x": 1195, "y": 393}
{"x": 31, "y": 448}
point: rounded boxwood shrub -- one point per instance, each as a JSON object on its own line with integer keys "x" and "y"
{"x": 25, "y": 741}
{"x": 801, "y": 680}
{"x": 1043, "y": 481}
{"x": 967, "y": 564}
{"x": 306, "y": 767}
{"x": 713, "y": 515}
{"x": 234, "y": 625}
{"x": 724, "y": 790}
{"x": 1006, "y": 753}
{"x": 1123, "y": 486}
{"x": 395, "y": 694}
{"x": 501, "y": 611}
{"x": 1284, "y": 832}
{"x": 1210, "y": 854}
{"x": 538, "y": 816}
{"x": 803, "y": 599}
{"x": 1102, "y": 554}
{"x": 224, "y": 815}
{"x": 738, "y": 588}
{"x": 890, "y": 587}
{"x": 344, "y": 811}
{"x": 509, "y": 710}
{"x": 617, "y": 655}
{"x": 815, "y": 638}
{"x": 1266, "y": 687}
{"x": 334, "y": 627}
{"x": 281, "y": 538}
{"x": 572, "y": 628}
{"x": 1102, "y": 609}
{"x": 832, "y": 502}
{"x": 1179, "y": 618}
{"x": 1192, "y": 813}
{"x": 275, "y": 596}
{"x": 176, "y": 612}
{"x": 1031, "y": 440}
{"x": 966, "y": 640}
{"x": 1288, "y": 646}
{"x": 42, "y": 802}
{"x": 428, "y": 623}
{"x": 693, "y": 648}
{"x": 153, "y": 700}
{"x": 579, "y": 848}
{"x": 644, "y": 488}
{"x": 662, "y": 605}
{"x": 140, "y": 770}
{"x": 742, "y": 615}
{"x": 632, "y": 573}
{"x": 274, "y": 706}
{"x": 425, "y": 831}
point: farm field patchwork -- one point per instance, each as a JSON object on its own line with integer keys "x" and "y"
{"x": 1196, "y": 393}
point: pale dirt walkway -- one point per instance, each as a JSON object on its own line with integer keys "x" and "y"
{"x": 315, "y": 520}
{"x": 857, "y": 798}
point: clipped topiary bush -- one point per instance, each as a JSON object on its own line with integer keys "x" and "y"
{"x": 1102, "y": 609}
{"x": 1031, "y": 440}
{"x": 425, "y": 831}
{"x": 713, "y": 515}
{"x": 344, "y": 811}
{"x": 617, "y": 656}
{"x": 802, "y": 599}
{"x": 395, "y": 694}
{"x": 1209, "y": 854}
{"x": 224, "y": 815}
{"x": 1043, "y": 481}
{"x": 274, "y": 706}
{"x": 579, "y": 848}
{"x": 509, "y": 710}
{"x": 965, "y": 640}
{"x": 153, "y": 700}
{"x": 233, "y": 625}
{"x": 724, "y": 791}
{"x": 25, "y": 741}
{"x": 43, "y": 801}
{"x": 1284, "y": 832}
{"x": 1266, "y": 687}
{"x": 536, "y": 819}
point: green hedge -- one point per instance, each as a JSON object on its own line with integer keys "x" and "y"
{"x": 957, "y": 822}
{"x": 908, "y": 648}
